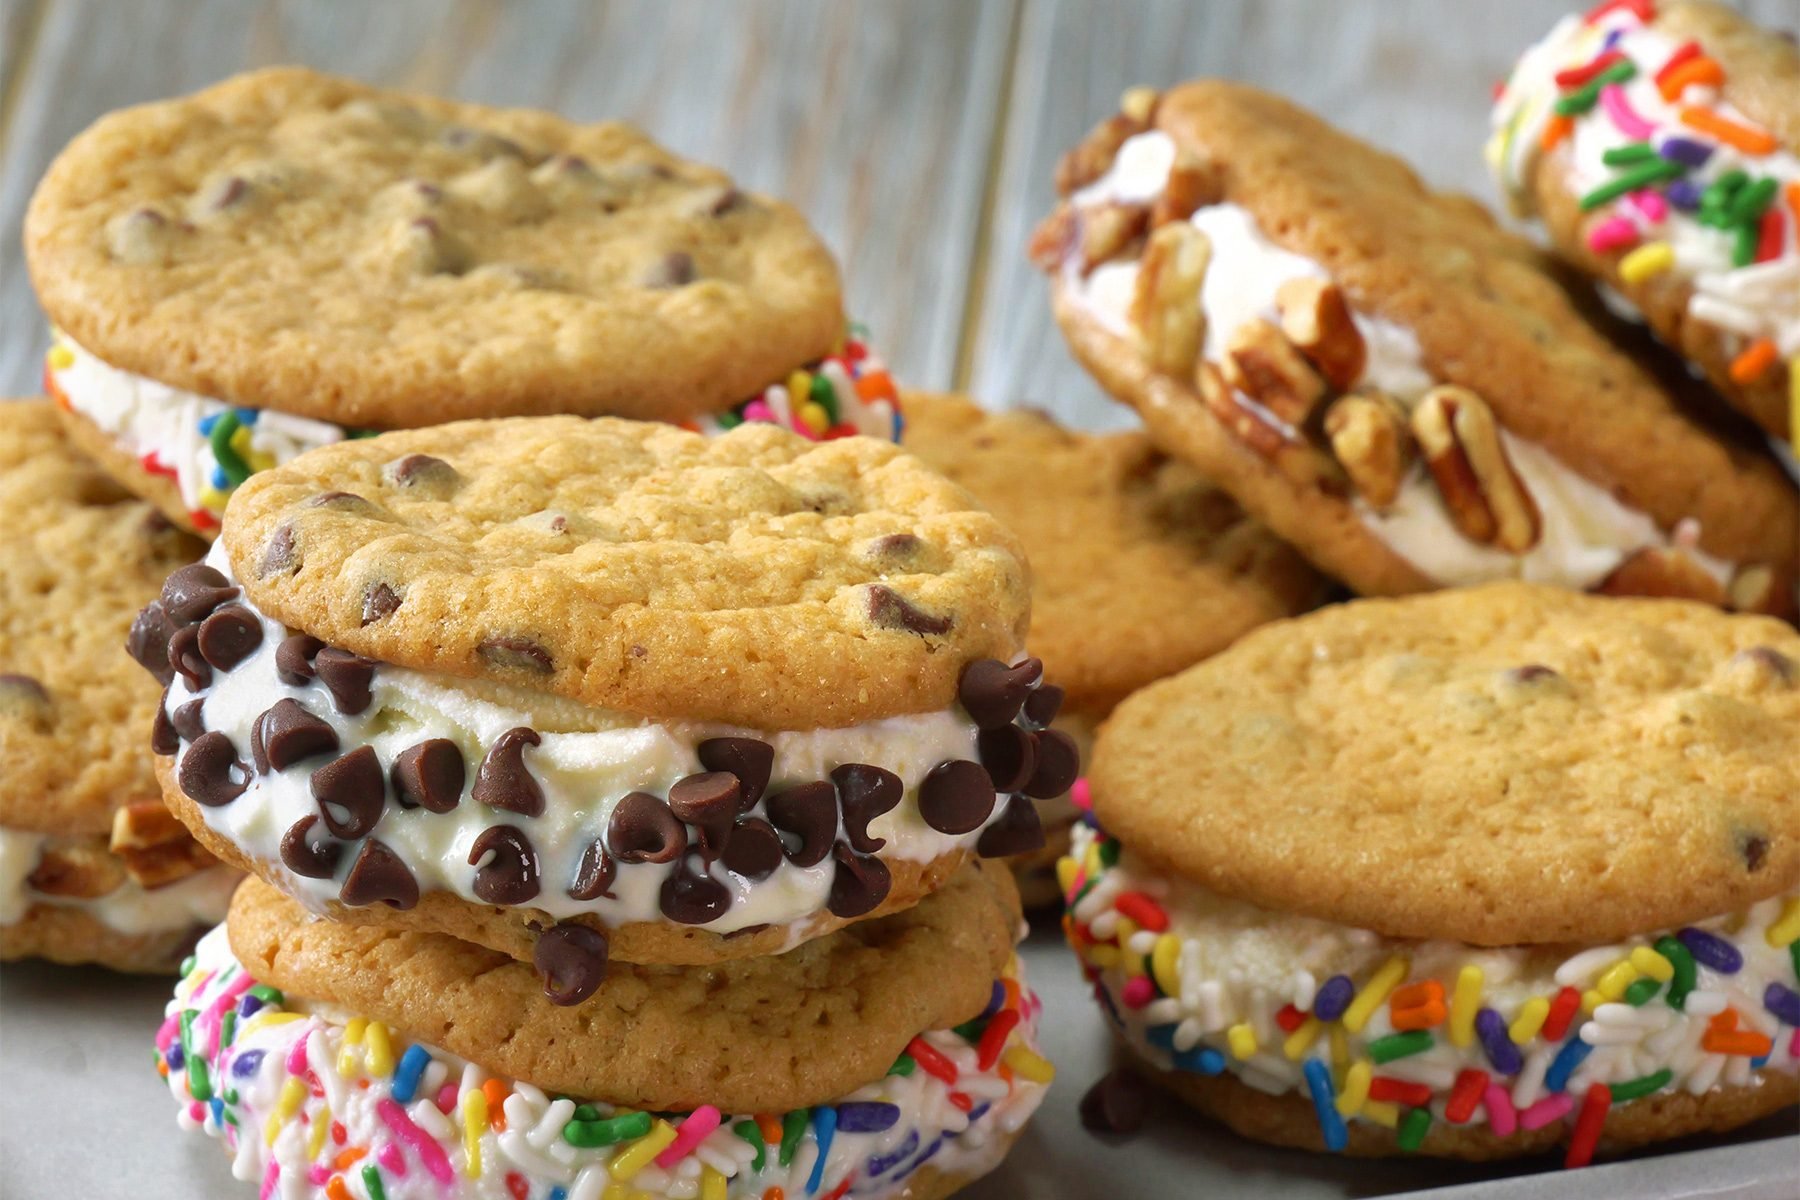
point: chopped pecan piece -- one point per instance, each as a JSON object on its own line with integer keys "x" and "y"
{"x": 1139, "y": 104}
{"x": 1369, "y": 438}
{"x": 154, "y": 847}
{"x": 1316, "y": 318}
{"x": 1055, "y": 238}
{"x": 1165, "y": 305}
{"x": 1107, "y": 229}
{"x": 1461, "y": 443}
{"x": 1193, "y": 183}
{"x": 76, "y": 869}
{"x": 1665, "y": 573}
{"x": 1264, "y": 365}
{"x": 1297, "y": 460}
{"x": 1093, "y": 156}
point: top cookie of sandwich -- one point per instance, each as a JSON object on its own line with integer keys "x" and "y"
{"x": 1505, "y": 764}
{"x": 296, "y": 241}
{"x": 1381, "y": 373}
{"x": 754, "y": 578}
{"x": 78, "y": 558}
{"x": 1139, "y": 566}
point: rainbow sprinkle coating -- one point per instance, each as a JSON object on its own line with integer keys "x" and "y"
{"x": 1675, "y": 180}
{"x": 207, "y": 448}
{"x": 314, "y": 1104}
{"x": 1405, "y": 1035}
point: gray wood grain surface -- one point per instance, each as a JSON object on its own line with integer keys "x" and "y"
{"x": 918, "y": 135}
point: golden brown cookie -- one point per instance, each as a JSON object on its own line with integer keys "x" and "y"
{"x": 705, "y": 697}
{"x": 1693, "y": 219}
{"x": 92, "y": 868}
{"x": 1382, "y": 374}
{"x": 1471, "y": 874}
{"x": 809, "y": 1072}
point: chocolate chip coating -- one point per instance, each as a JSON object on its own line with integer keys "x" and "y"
{"x": 595, "y": 874}
{"x": 691, "y": 896}
{"x": 1058, "y": 765}
{"x": 1018, "y": 831}
{"x": 571, "y": 959}
{"x": 860, "y": 885}
{"x": 229, "y": 636}
{"x": 185, "y": 657}
{"x": 192, "y": 592}
{"x": 992, "y": 693}
{"x": 503, "y": 781}
{"x": 808, "y": 813}
{"x": 1042, "y": 704}
{"x": 187, "y": 721}
{"x": 379, "y": 877}
{"x": 709, "y": 802}
{"x": 865, "y": 792}
{"x": 1117, "y": 1103}
{"x": 754, "y": 850}
{"x": 642, "y": 829}
{"x": 294, "y": 658}
{"x": 1009, "y": 755}
{"x": 351, "y": 793}
{"x": 750, "y": 759}
{"x": 510, "y": 873}
{"x": 956, "y": 796}
{"x": 305, "y": 852}
{"x": 210, "y": 772}
{"x": 163, "y": 738}
{"x": 287, "y": 733}
{"x": 429, "y": 775}
{"x": 347, "y": 677}
{"x": 148, "y": 641}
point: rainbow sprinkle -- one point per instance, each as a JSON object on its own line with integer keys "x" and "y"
{"x": 1404, "y": 1035}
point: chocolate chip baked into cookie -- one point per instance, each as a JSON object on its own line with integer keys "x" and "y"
{"x": 288, "y": 259}
{"x": 1657, "y": 140}
{"x": 1381, "y": 374}
{"x": 1139, "y": 567}
{"x": 93, "y": 869}
{"x": 894, "y": 1059}
{"x": 557, "y": 684}
{"x": 1472, "y": 874}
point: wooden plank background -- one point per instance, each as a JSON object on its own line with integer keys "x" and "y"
{"x": 918, "y": 135}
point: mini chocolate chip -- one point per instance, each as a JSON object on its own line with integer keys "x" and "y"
{"x": 690, "y": 896}
{"x": 888, "y": 609}
{"x": 750, "y": 759}
{"x": 429, "y": 775}
{"x": 708, "y": 802}
{"x": 228, "y": 636}
{"x": 810, "y": 813}
{"x": 1118, "y": 1103}
{"x": 1018, "y": 831}
{"x": 378, "y": 875}
{"x": 341, "y": 500}
{"x": 306, "y": 853}
{"x": 992, "y": 692}
{"x": 1771, "y": 660}
{"x": 230, "y": 192}
{"x": 351, "y": 785}
{"x": 571, "y": 959}
{"x": 346, "y": 676}
{"x": 594, "y": 876}
{"x": 1008, "y": 755}
{"x": 516, "y": 654}
{"x": 23, "y": 694}
{"x": 503, "y": 781}
{"x": 287, "y": 733}
{"x": 1531, "y": 673}
{"x": 642, "y": 829}
{"x": 163, "y": 738}
{"x": 421, "y": 470}
{"x": 1753, "y": 848}
{"x": 210, "y": 772}
{"x": 956, "y": 796}
{"x": 1042, "y": 704}
{"x": 754, "y": 850}
{"x": 860, "y": 885}
{"x": 864, "y": 793}
{"x": 280, "y": 555}
{"x": 187, "y": 722}
{"x": 379, "y": 601}
{"x": 293, "y": 658}
{"x": 194, "y": 591}
{"x": 1058, "y": 764}
{"x": 895, "y": 547}
{"x": 674, "y": 269}
{"x": 728, "y": 199}
{"x": 148, "y": 641}
{"x": 510, "y": 874}
{"x": 185, "y": 657}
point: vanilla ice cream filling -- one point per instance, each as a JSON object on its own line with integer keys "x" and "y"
{"x": 1586, "y": 531}
{"x": 587, "y": 761}
{"x": 1753, "y": 301}
{"x": 1200, "y": 983}
{"x": 130, "y": 908}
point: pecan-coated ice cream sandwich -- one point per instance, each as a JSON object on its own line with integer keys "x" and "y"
{"x": 289, "y": 259}
{"x": 556, "y": 683}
